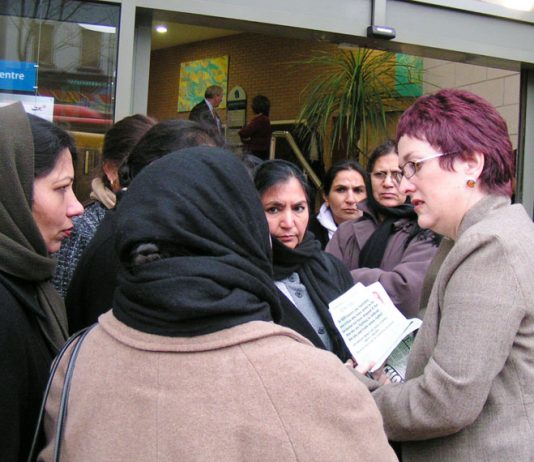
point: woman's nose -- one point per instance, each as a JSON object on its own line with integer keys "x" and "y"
{"x": 388, "y": 181}
{"x": 406, "y": 186}
{"x": 287, "y": 219}
{"x": 75, "y": 207}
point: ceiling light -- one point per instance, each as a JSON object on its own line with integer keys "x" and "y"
{"x": 161, "y": 29}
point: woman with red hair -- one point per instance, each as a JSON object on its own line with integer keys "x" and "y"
{"x": 468, "y": 393}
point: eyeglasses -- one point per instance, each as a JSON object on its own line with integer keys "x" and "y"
{"x": 381, "y": 175}
{"x": 410, "y": 168}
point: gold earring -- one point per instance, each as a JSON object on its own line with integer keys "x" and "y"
{"x": 471, "y": 183}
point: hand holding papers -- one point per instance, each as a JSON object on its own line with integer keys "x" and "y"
{"x": 370, "y": 324}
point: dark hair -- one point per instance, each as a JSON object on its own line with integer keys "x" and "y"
{"x": 251, "y": 162}
{"x": 261, "y": 105}
{"x": 213, "y": 90}
{"x": 123, "y": 136}
{"x": 387, "y": 147}
{"x": 460, "y": 123}
{"x": 332, "y": 172}
{"x": 49, "y": 141}
{"x": 273, "y": 172}
{"x": 162, "y": 139}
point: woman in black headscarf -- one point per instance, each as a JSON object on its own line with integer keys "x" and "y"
{"x": 37, "y": 205}
{"x": 188, "y": 365}
{"x": 308, "y": 278}
{"x": 386, "y": 244}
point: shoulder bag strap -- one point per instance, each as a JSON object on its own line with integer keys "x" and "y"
{"x": 79, "y": 337}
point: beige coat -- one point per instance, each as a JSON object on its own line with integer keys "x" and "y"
{"x": 470, "y": 393}
{"x": 255, "y": 392}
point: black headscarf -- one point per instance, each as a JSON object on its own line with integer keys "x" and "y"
{"x": 373, "y": 251}
{"x": 324, "y": 277}
{"x": 200, "y": 207}
{"x": 23, "y": 252}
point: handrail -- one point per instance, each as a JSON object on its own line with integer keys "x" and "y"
{"x": 298, "y": 153}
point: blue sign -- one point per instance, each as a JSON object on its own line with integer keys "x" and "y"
{"x": 15, "y": 75}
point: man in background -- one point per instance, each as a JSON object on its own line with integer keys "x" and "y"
{"x": 205, "y": 111}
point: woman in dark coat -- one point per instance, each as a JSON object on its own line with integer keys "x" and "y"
{"x": 256, "y": 135}
{"x": 37, "y": 205}
{"x": 91, "y": 291}
{"x": 307, "y": 277}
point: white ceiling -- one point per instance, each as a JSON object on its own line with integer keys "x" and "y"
{"x": 180, "y": 34}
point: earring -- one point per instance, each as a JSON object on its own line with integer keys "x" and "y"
{"x": 471, "y": 183}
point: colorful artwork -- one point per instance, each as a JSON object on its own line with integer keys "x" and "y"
{"x": 409, "y": 73}
{"x": 196, "y": 76}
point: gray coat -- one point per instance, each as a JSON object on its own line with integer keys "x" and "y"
{"x": 403, "y": 268}
{"x": 469, "y": 394}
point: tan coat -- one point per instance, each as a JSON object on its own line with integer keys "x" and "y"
{"x": 470, "y": 393}
{"x": 255, "y": 392}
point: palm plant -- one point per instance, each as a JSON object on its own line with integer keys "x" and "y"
{"x": 352, "y": 93}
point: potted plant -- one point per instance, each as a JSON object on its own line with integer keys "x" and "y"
{"x": 351, "y": 95}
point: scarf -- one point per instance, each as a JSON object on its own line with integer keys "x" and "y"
{"x": 102, "y": 194}
{"x": 23, "y": 252}
{"x": 323, "y": 278}
{"x": 201, "y": 210}
{"x": 373, "y": 251}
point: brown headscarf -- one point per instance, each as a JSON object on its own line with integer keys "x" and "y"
{"x": 23, "y": 252}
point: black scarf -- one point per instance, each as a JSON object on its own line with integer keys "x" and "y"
{"x": 200, "y": 207}
{"x": 324, "y": 277}
{"x": 23, "y": 252}
{"x": 373, "y": 251}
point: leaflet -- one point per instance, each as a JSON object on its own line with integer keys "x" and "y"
{"x": 370, "y": 324}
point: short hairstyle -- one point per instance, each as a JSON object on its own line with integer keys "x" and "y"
{"x": 386, "y": 148}
{"x": 49, "y": 141}
{"x": 213, "y": 90}
{"x": 162, "y": 139}
{"x": 273, "y": 172}
{"x": 332, "y": 172}
{"x": 460, "y": 123}
{"x": 261, "y": 105}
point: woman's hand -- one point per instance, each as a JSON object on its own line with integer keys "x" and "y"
{"x": 365, "y": 369}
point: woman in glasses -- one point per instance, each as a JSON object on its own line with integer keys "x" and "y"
{"x": 386, "y": 244}
{"x": 468, "y": 394}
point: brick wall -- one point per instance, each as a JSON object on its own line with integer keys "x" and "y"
{"x": 266, "y": 65}
{"x": 258, "y": 63}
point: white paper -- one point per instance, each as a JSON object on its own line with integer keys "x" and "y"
{"x": 41, "y": 106}
{"x": 369, "y": 323}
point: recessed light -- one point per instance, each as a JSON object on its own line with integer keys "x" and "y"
{"x": 161, "y": 29}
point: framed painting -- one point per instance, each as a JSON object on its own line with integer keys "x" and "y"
{"x": 196, "y": 76}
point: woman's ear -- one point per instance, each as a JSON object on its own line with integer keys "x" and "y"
{"x": 473, "y": 165}
{"x": 111, "y": 173}
{"x": 325, "y": 198}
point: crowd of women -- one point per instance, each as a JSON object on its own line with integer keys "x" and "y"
{"x": 202, "y": 288}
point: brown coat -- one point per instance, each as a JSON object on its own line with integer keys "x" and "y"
{"x": 469, "y": 394}
{"x": 255, "y": 392}
{"x": 402, "y": 270}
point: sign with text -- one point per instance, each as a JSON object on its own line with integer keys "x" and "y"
{"x": 16, "y": 75}
{"x": 41, "y": 106}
